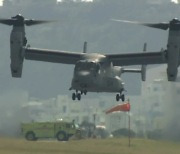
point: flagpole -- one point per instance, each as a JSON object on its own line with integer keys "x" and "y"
{"x": 129, "y": 129}
{"x": 125, "y": 108}
{"x": 129, "y": 126}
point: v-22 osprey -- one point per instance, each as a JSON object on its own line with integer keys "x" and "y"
{"x": 94, "y": 72}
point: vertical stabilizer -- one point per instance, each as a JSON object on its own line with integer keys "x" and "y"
{"x": 85, "y": 47}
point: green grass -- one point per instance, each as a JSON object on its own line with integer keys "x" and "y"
{"x": 88, "y": 146}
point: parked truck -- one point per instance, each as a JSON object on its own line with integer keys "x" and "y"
{"x": 61, "y": 130}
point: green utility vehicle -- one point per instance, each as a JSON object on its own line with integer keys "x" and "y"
{"x": 60, "y": 130}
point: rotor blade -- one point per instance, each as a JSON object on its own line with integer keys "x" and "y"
{"x": 7, "y": 21}
{"x": 36, "y": 22}
{"x": 163, "y": 25}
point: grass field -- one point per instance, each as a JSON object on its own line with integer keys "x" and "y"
{"x": 88, "y": 146}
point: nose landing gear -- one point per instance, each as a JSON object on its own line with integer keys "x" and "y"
{"x": 78, "y": 95}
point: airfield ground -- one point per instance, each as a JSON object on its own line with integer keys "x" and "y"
{"x": 88, "y": 146}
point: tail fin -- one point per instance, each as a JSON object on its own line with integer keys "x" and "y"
{"x": 143, "y": 68}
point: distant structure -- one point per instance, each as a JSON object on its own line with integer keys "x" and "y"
{"x": 160, "y": 102}
{"x": 17, "y": 2}
{"x": 60, "y": 1}
{"x": 162, "y": 1}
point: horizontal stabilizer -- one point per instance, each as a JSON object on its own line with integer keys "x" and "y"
{"x": 142, "y": 71}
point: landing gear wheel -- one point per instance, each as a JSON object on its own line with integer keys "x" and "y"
{"x": 117, "y": 97}
{"x": 79, "y": 96}
{"x": 123, "y": 97}
{"x": 73, "y": 96}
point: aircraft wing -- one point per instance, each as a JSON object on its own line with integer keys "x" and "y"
{"x": 137, "y": 58}
{"x": 54, "y": 56}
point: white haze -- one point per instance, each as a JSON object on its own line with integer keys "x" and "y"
{"x": 175, "y": 1}
{"x": 1, "y": 2}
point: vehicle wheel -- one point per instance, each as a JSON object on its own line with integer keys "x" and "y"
{"x": 61, "y": 136}
{"x": 79, "y": 96}
{"x": 73, "y": 96}
{"x": 30, "y": 136}
{"x": 117, "y": 97}
{"x": 123, "y": 97}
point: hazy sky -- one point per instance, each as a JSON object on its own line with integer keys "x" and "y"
{"x": 1, "y": 2}
{"x": 175, "y": 1}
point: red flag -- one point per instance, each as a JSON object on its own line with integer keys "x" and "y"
{"x": 121, "y": 107}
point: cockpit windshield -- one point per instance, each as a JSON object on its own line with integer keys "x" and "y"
{"x": 87, "y": 66}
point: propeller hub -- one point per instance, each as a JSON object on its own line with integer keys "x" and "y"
{"x": 174, "y": 21}
{"x": 18, "y": 17}
{"x": 18, "y": 20}
{"x": 175, "y": 24}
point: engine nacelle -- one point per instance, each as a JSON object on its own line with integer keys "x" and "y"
{"x": 173, "y": 54}
{"x": 172, "y": 69}
{"x": 17, "y": 52}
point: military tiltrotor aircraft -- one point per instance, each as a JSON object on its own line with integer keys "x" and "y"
{"x": 94, "y": 72}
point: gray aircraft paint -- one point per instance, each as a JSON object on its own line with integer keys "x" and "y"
{"x": 173, "y": 50}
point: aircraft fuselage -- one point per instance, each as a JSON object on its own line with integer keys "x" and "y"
{"x": 91, "y": 75}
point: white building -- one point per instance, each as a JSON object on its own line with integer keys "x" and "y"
{"x": 161, "y": 103}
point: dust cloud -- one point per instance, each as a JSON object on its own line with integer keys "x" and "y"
{"x": 172, "y": 112}
{"x": 11, "y": 113}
